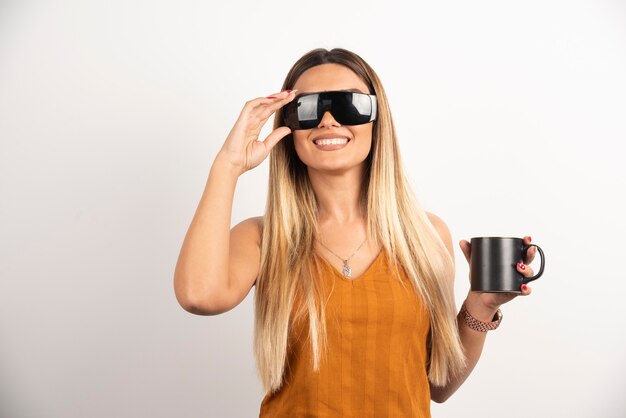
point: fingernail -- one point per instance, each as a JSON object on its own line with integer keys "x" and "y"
{"x": 521, "y": 265}
{"x": 524, "y": 287}
{"x": 530, "y": 239}
{"x": 270, "y": 97}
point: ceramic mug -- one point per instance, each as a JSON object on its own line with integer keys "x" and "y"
{"x": 493, "y": 264}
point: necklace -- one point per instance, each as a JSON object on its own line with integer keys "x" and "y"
{"x": 347, "y": 271}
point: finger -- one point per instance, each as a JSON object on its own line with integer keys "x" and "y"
{"x": 273, "y": 138}
{"x": 526, "y": 270}
{"x": 526, "y": 242}
{"x": 525, "y": 289}
{"x": 272, "y": 105}
{"x": 262, "y": 102}
{"x": 530, "y": 255}
{"x": 256, "y": 112}
{"x": 280, "y": 95}
{"x": 466, "y": 247}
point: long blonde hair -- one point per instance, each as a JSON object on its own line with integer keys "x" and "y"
{"x": 395, "y": 220}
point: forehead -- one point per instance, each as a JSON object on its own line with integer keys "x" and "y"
{"x": 326, "y": 77}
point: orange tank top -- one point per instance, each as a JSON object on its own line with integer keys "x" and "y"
{"x": 377, "y": 353}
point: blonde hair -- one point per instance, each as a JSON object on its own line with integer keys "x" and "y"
{"x": 395, "y": 220}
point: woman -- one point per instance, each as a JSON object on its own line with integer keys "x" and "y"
{"x": 354, "y": 301}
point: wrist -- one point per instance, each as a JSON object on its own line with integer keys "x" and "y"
{"x": 479, "y": 309}
{"x": 479, "y": 324}
{"x": 222, "y": 163}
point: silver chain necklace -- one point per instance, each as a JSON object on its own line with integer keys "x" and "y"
{"x": 347, "y": 270}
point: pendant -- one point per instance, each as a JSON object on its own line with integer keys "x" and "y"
{"x": 347, "y": 271}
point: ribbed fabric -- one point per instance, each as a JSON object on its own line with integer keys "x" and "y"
{"x": 376, "y": 364}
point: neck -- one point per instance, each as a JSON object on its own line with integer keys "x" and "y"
{"x": 338, "y": 196}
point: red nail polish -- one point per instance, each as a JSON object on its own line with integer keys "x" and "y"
{"x": 524, "y": 287}
{"x": 530, "y": 239}
{"x": 270, "y": 97}
{"x": 522, "y": 266}
{"x": 288, "y": 91}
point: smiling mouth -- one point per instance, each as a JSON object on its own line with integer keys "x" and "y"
{"x": 326, "y": 145}
{"x": 331, "y": 141}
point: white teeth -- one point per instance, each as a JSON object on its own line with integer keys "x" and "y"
{"x": 331, "y": 141}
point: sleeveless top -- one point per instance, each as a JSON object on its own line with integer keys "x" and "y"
{"x": 377, "y": 352}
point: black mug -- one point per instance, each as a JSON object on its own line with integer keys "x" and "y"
{"x": 493, "y": 264}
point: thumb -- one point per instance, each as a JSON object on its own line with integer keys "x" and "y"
{"x": 276, "y": 135}
{"x": 466, "y": 247}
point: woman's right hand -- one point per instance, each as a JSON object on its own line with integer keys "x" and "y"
{"x": 242, "y": 149}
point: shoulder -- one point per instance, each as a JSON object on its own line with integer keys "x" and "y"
{"x": 442, "y": 228}
{"x": 250, "y": 228}
{"x": 256, "y": 222}
{"x": 245, "y": 250}
{"x": 437, "y": 222}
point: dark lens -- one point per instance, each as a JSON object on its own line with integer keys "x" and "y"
{"x": 348, "y": 108}
{"x": 302, "y": 112}
{"x": 308, "y": 111}
{"x": 351, "y": 108}
{"x": 290, "y": 114}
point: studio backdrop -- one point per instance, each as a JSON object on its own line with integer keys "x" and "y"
{"x": 510, "y": 118}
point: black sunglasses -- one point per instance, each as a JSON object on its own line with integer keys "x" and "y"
{"x": 348, "y": 108}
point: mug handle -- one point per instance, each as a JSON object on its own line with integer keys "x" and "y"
{"x": 538, "y": 275}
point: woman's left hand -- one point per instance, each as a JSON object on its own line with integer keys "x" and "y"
{"x": 494, "y": 300}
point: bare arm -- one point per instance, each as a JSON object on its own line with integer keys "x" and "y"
{"x": 472, "y": 342}
{"x": 482, "y": 306}
{"x": 202, "y": 266}
{"x": 217, "y": 265}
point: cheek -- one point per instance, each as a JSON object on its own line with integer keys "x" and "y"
{"x": 298, "y": 140}
{"x": 298, "y": 136}
{"x": 365, "y": 136}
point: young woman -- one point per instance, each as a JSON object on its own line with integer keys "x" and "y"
{"x": 354, "y": 301}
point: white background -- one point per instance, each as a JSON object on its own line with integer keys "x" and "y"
{"x": 511, "y": 121}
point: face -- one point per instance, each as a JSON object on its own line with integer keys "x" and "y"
{"x": 326, "y": 77}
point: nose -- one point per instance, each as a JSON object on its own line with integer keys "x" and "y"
{"x": 328, "y": 120}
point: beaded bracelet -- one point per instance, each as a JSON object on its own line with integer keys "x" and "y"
{"x": 477, "y": 325}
